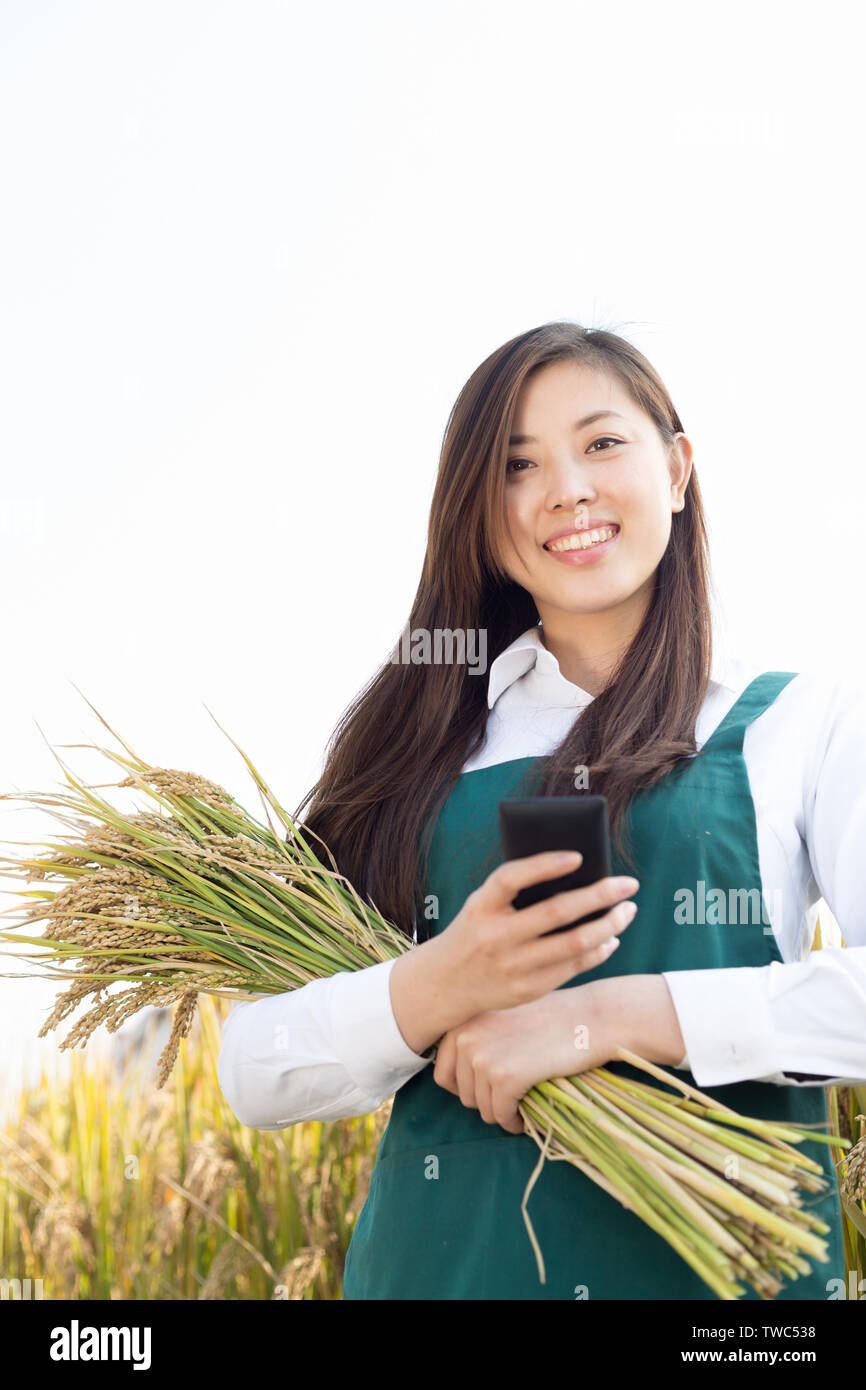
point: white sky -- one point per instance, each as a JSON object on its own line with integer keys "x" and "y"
{"x": 251, "y": 252}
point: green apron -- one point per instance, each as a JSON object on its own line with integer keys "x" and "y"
{"x": 443, "y": 1219}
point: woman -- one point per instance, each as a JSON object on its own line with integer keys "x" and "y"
{"x": 567, "y": 540}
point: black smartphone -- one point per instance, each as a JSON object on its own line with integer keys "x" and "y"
{"x": 538, "y": 823}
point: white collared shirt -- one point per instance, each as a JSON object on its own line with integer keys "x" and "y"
{"x": 798, "y": 1021}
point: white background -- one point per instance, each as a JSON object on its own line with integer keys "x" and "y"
{"x": 250, "y": 252}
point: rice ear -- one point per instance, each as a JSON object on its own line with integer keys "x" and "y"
{"x": 182, "y": 1023}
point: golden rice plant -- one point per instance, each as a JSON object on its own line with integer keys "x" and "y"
{"x": 110, "y": 1189}
{"x": 846, "y": 1108}
{"x": 847, "y": 1115}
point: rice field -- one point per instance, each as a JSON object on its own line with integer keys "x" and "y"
{"x": 112, "y": 1189}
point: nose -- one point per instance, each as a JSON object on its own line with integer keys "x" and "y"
{"x": 569, "y": 489}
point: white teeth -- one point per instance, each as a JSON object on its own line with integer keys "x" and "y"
{"x": 583, "y": 540}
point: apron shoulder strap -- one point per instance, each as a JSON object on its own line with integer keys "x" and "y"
{"x": 757, "y": 697}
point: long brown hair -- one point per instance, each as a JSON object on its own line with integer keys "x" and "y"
{"x": 400, "y": 746}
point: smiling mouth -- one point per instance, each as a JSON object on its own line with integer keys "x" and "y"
{"x": 582, "y": 540}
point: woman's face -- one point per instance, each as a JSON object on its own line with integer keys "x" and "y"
{"x": 566, "y": 473}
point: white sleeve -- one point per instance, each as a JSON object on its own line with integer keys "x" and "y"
{"x": 799, "y": 1022}
{"x": 325, "y": 1051}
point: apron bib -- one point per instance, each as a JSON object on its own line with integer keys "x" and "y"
{"x": 443, "y": 1219}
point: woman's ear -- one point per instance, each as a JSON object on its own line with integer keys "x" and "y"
{"x": 680, "y": 470}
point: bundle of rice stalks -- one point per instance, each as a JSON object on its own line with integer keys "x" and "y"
{"x": 201, "y": 897}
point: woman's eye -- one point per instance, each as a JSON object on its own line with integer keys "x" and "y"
{"x": 605, "y": 439}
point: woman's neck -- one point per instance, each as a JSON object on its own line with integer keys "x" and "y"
{"x": 590, "y": 646}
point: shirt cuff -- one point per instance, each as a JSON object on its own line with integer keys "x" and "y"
{"x": 819, "y": 1011}
{"x": 726, "y": 1023}
{"x": 365, "y": 1031}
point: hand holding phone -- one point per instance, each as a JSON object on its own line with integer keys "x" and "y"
{"x": 538, "y": 823}
{"x": 492, "y": 956}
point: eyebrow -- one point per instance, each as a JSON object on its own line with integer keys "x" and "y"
{"x": 578, "y": 425}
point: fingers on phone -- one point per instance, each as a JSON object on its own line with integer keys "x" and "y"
{"x": 515, "y": 874}
{"x": 563, "y": 908}
{"x": 596, "y": 941}
{"x": 590, "y": 936}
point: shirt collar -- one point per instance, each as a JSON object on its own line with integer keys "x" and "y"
{"x": 528, "y": 651}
